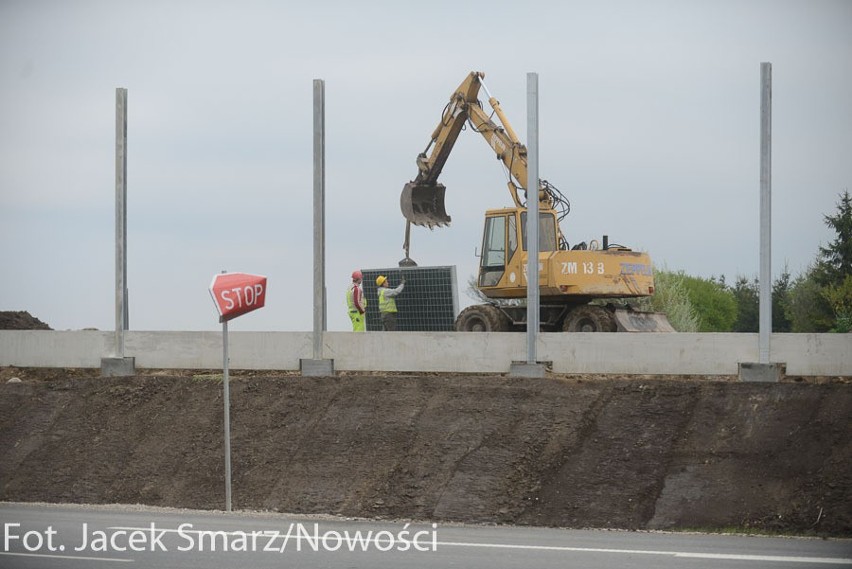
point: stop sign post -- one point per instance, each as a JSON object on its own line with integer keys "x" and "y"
{"x": 234, "y": 294}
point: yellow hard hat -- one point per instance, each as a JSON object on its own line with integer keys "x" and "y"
{"x": 380, "y": 280}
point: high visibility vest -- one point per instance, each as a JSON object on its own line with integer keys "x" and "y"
{"x": 350, "y": 299}
{"x": 386, "y": 304}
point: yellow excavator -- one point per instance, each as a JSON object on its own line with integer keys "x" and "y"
{"x": 570, "y": 278}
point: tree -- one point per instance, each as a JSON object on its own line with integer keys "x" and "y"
{"x": 780, "y": 290}
{"x": 747, "y": 296}
{"x": 839, "y": 297}
{"x": 807, "y": 308}
{"x": 834, "y": 262}
{"x": 714, "y": 303}
{"x": 825, "y": 286}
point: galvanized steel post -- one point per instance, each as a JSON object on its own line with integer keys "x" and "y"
{"x": 532, "y": 218}
{"x": 319, "y": 216}
{"x": 765, "y": 310}
{"x": 121, "y": 311}
{"x": 763, "y": 370}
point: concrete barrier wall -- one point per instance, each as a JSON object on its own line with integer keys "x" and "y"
{"x": 664, "y": 354}
{"x": 203, "y": 350}
{"x": 691, "y": 354}
{"x": 828, "y": 354}
{"x": 425, "y": 351}
{"x": 42, "y": 348}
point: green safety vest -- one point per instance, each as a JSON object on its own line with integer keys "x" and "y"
{"x": 350, "y": 300}
{"x": 386, "y": 304}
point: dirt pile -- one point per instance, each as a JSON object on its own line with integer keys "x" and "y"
{"x": 21, "y": 320}
{"x": 554, "y": 452}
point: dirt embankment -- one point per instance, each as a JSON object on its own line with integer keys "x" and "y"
{"x": 20, "y": 320}
{"x": 555, "y": 452}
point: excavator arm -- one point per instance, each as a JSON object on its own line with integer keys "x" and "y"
{"x": 422, "y": 200}
{"x": 431, "y": 161}
{"x": 505, "y": 144}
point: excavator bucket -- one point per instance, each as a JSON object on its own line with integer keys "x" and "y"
{"x": 423, "y": 204}
{"x": 629, "y": 320}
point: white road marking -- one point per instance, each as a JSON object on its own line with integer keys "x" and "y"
{"x": 686, "y": 554}
{"x": 726, "y": 556}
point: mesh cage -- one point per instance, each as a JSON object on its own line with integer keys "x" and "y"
{"x": 428, "y": 303}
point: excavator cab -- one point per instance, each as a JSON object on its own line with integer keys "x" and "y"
{"x": 500, "y": 239}
{"x": 423, "y": 204}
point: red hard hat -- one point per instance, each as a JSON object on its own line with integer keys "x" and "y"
{"x": 357, "y": 275}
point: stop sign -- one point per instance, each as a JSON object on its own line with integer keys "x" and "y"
{"x": 237, "y": 293}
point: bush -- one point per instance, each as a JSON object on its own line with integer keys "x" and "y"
{"x": 670, "y": 297}
{"x": 714, "y": 303}
{"x": 839, "y": 298}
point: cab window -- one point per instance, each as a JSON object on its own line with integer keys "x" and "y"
{"x": 546, "y": 231}
{"x": 493, "y": 262}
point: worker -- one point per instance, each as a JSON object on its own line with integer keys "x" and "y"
{"x": 357, "y": 303}
{"x": 387, "y": 304}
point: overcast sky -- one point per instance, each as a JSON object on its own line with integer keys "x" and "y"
{"x": 649, "y": 123}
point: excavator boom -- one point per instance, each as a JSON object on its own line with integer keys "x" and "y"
{"x": 422, "y": 201}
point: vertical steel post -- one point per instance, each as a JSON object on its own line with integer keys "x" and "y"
{"x": 227, "y": 399}
{"x": 319, "y": 216}
{"x": 765, "y": 310}
{"x": 121, "y": 311}
{"x": 532, "y": 218}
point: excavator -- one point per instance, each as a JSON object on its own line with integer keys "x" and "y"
{"x": 582, "y": 288}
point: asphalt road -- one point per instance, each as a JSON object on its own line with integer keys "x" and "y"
{"x": 46, "y": 536}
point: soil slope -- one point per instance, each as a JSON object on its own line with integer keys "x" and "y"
{"x": 610, "y": 453}
{"x": 20, "y": 320}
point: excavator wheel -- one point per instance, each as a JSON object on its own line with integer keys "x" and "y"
{"x": 588, "y": 318}
{"x": 482, "y": 318}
